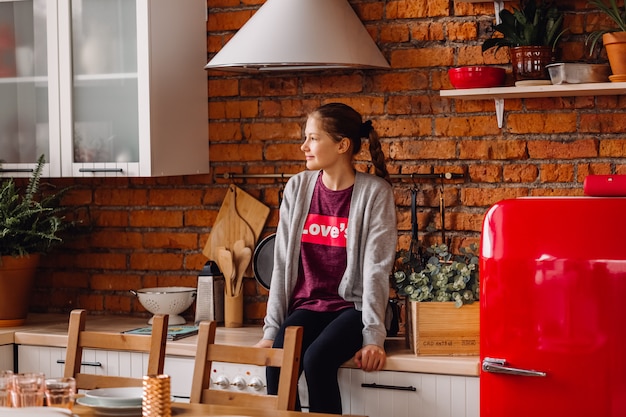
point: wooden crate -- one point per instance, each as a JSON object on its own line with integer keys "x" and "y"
{"x": 437, "y": 328}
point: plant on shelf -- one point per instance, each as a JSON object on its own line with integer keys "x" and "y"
{"x": 30, "y": 222}
{"x": 531, "y": 33}
{"x": 438, "y": 275}
{"x": 614, "y": 38}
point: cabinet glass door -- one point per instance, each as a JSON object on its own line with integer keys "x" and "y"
{"x": 29, "y": 123}
{"x": 104, "y": 100}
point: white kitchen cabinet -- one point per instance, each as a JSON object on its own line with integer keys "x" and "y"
{"x": 103, "y": 87}
{"x": 51, "y": 361}
{"x": 6, "y": 357}
{"x": 404, "y": 394}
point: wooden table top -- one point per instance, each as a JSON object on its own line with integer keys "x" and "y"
{"x": 208, "y": 410}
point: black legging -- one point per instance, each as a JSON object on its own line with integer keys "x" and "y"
{"x": 329, "y": 340}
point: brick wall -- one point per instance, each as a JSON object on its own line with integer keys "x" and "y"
{"x": 150, "y": 232}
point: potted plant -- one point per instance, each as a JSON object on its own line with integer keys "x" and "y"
{"x": 30, "y": 224}
{"x": 531, "y": 33}
{"x": 613, "y": 39}
{"x": 440, "y": 290}
{"x": 439, "y": 275}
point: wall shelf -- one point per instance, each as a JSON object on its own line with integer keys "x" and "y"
{"x": 499, "y": 94}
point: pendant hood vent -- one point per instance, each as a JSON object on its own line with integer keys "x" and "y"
{"x": 294, "y": 35}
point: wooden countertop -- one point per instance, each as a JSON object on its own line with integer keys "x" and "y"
{"x": 51, "y": 330}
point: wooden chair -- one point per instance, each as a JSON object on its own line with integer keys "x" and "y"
{"x": 287, "y": 358}
{"x": 78, "y": 339}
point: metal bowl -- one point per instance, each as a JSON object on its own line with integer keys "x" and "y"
{"x": 167, "y": 300}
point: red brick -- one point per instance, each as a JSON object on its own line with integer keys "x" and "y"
{"x": 485, "y": 173}
{"x": 156, "y": 218}
{"x": 553, "y": 173}
{"x": 492, "y": 149}
{"x": 422, "y": 57}
{"x": 520, "y": 173}
{"x": 466, "y": 126}
{"x": 613, "y": 148}
{"x": 156, "y": 261}
{"x": 570, "y": 149}
{"x": 544, "y": 123}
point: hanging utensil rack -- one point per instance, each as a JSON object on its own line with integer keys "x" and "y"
{"x": 442, "y": 176}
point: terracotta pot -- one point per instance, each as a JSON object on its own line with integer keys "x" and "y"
{"x": 529, "y": 62}
{"x": 17, "y": 276}
{"x": 615, "y": 45}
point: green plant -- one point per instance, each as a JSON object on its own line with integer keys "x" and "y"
{"x": 535, "y": 24}
{"x": 615, "y": 13}
{"x": 438, "y": 275}
{"x": 30, "y": 221}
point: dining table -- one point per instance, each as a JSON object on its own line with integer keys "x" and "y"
{"x": 213, "y": 410}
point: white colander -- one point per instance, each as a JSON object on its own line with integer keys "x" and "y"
{"x": 166, "y": 300}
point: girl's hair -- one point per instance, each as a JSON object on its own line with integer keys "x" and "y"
{"x": 342, "y": 121}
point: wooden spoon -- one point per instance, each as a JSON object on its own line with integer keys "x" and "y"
{"x": 243, "y": 255}
{"x": 225, "y": 262}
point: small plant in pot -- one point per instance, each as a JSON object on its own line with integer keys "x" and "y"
{"x": 613, "y": 38}
{"x": 30, "y": 225}
{"x": 438, "y": 286}
{"x": 531, "y": 33}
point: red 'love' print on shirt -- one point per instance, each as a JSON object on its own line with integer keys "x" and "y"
{"x": 325, "y": 230}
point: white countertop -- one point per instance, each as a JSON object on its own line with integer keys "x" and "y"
{"x": 51, "y": 330}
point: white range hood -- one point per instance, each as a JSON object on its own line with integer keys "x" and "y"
{"x": 293, "y": 35}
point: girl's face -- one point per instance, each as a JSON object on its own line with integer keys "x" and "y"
{"x": 321, "y": 151}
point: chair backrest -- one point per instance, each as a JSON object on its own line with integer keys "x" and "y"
{"x": 78, "y": 339}
{"x": 287, "y": 359}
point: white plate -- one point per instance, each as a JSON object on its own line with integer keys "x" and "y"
{"x": 127, "y": 397}
{"x": 109, "y": 410}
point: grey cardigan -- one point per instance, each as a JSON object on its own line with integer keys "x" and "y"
{"x": 371, "y": 248}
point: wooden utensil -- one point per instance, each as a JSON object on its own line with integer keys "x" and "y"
{"x": 243, "y": 254}
{"x": 225, "y": 262}
{"x": 239, "y": 228}
{"x": 249, "y": 208}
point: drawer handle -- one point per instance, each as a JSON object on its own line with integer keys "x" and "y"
{"x": 98, "y": 364}
{"x": 16, "y": 170}
{"x": 395, "y": 387}
{"x": 100, "y": 170}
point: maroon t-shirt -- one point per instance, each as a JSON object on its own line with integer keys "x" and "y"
{"x": 323, "y": 255}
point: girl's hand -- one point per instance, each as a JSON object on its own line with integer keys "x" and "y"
{"x": 370, "y": 358}
{"x": 264, "y": 343}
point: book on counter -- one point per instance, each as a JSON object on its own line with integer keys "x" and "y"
{"x": 174, "y": 332}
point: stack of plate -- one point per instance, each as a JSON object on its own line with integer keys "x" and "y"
{"x": 114, "y": 401}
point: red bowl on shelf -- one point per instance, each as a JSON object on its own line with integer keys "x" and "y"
{"x": 476, "y": 77}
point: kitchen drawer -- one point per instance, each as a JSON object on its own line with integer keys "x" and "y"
{"x": 6, "y": 357}
{"x": 404, "y": 394}
{"x": 51, "y": 361}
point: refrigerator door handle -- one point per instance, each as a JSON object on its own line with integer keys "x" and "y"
{"x": 498, "y": 366}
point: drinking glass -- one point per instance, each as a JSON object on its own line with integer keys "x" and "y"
{"x": 60, "y": 392}
{"x": 28, "y": 389}
{"x": 6, "y": 381}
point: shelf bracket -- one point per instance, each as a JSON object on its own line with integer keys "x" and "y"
{"x": 498, "y": 5}
{"x": 499, "y": 102}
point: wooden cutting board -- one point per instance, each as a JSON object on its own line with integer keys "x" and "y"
{"x": 249, "y": 208}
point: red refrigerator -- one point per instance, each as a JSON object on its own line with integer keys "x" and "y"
{"x": 553, "y": 308}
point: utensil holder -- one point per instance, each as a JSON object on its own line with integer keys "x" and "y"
{"x": 156, "y": 400}
{"x": 233, "y": 310}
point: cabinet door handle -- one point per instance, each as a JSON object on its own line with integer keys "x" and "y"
{"x": 98, "y": 364}
{"x": 100, "y": 170}
{"x": 16, "y": 170}
{"x": 396, "y": 387}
